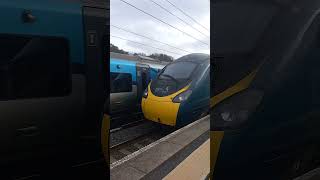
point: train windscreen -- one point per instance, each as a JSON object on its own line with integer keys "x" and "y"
{"x": 179, "y": 70}
{"x": 173, "y": 78}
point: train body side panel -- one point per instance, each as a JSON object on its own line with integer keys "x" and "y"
{"x": 44, "y": 128}
{"x": 123, "y": 101}
{"x": 201, "y": 98}
{"x": 198, "y": 102}
{"x": 194, "y": 107}
{"x": 55, "y": 119}
{"x": 64, "y": 16}
{"x": 125, "y": 67}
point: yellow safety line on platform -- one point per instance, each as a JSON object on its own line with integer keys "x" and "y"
{"x": 195, "y": 166}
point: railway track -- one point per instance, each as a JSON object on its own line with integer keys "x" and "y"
{"x": 128, "y": 125}
{"x": 129, "y": 140}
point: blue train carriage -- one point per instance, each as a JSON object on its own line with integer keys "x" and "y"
{"x": 53, "y": 85}
{"x": 181, "y": 92}
{"x": 129, "y": 77}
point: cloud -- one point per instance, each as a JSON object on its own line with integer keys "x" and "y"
{"x": 127, "y": 17}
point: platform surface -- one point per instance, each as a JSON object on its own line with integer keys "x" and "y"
{"x": 184, "y": 149}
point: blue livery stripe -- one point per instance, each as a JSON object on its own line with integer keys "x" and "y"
{"x": 153, "y": 73}
{"x": 125, "y": 67}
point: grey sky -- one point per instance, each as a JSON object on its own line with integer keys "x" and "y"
{"x": 127, "y": 17}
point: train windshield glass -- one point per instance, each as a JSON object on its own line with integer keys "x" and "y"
{"x": 179, "y": 70}
{"x": 173, "y": 78}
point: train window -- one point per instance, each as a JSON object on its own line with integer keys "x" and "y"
{"x": 33, "y": 67}
{"x": 120, "y": 82}
{"x": 179, "y": 70}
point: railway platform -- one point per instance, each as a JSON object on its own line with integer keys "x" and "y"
{"x": 182, "y": 154}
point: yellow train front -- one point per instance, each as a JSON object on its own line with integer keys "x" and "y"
{"x": 181, "y": 92}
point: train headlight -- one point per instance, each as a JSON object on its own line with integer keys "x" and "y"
{"x": 182, "y": 96}
{"x": 234, "y": 112}
{"x": 145, "y": 93}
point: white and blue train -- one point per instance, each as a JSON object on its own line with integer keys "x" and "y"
{"x": 129, "y": 77}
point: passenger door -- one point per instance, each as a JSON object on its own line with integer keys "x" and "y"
{"x": 143, "y": 79}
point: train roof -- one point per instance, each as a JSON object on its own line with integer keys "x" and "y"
{"x": 139, "y": 59}
{"x": 194, "y": 57}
